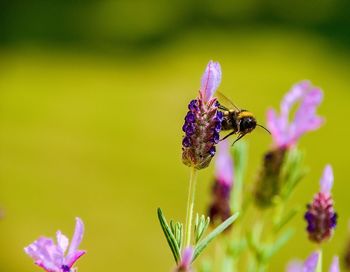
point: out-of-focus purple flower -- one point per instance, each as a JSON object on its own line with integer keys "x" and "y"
{"x": 335, "y": 265}
{"x": 310, "y": 265}
{"x": 285, "y": 132}
{"x": 186, "y": 260}
{"x": 203, "y": 122}
{"x": 52, "y": 257}
{"x": 320, "y": 216}
{"x": 269, "y": 182}
{"x": 221, "y": 192}
{"x": 224, "y": 164}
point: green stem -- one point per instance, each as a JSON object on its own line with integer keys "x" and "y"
{"x": 190, "y": 204}
{"x": 319, "y": 263}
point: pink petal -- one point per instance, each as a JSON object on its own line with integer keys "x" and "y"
{"x": 335, "y": 265}
{"x": 276, "y": 127}
{"x": 211, "y": 80}
{"x": 327, "y": 179}
{"x": 62, "y": 241}
{"x": 295, "y": 266}
{"x": 311, "y": 262}
{"x": 295, "y": 94}
{"x": 72, "y": 258}
{"x": 77, "y": 237}
{"x": 224, "y": 164}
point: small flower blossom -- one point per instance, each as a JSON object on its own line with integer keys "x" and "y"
{"x": 52, "y": 257}
{"x": 286, "y": 133}
{"x": 220, "y": 206}
{"x": 203, "y": 121}
{"x": 186, "y": 260}
{"x": 320, "y": 216}
{"x": 311, "y": 263}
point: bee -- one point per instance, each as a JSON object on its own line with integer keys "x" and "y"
{"x": 240, "y": 121}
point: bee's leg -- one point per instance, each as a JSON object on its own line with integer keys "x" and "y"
{"x": 238, "y": 138}
{"x": 228, "y": 135}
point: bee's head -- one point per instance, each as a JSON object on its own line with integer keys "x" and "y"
{"x": 247, "y": 122}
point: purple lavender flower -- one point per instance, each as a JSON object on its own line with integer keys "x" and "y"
{"x": 52, "y": 257}
{"x": 186, "y": 260}
{"x": 203, "y": 121}
{"x": 220, "y": 206}
{"x": 310, "y": 265}
{"x": 320, "y": 216}
{"x": 285, "y": 133}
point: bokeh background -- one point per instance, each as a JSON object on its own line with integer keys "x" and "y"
{"x": 92, "y": 99}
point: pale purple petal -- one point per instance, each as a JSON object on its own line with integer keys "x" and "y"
{"x": 277, "y": 127}
{"x": 335, "y": 265}
{"x": 294, "y": 95}
{"x": 224, "y": 164}
{"x": 327, "y": 179}
{"x": 72, "y": 258}
{"x": 311, "y": 262}
{"x": 211, "y": 80}
{"x": 77, "y": 237}
{"x": 62, "y": 241}
{"x": 186, "y": 257}
{"x": 295, "y": 266}
{"x": 45, "y": 254}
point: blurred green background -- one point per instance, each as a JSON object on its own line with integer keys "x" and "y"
{"x": 92, "y": 100}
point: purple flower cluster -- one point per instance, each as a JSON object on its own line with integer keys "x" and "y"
{"x": 51, "y": 257}
{"x": 220, "y": 210}
{"x": 320, "y": 216}
{"x": 203, "y": 122}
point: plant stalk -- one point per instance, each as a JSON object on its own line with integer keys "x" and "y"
{"x": 190, "y": 205}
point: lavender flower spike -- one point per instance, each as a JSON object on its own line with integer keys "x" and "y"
{"x": 221, "y": 192}
{"x": 186, "y": 260}
{"x": 320, "y": 216}
{"x": 285, "y": 133}
{"x": 51, "y": 257}
{"x": 203, "y": 121}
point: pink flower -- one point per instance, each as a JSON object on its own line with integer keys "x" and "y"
{"x": 310, "y": 265}
{"x": 224, "y": 164}
{"x": 286, "y": 133}
{"x": 52, "y": 257}
{"x": 219, "y": 208}
{"x": 211, "y": 80}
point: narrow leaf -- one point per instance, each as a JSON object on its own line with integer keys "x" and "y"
{"x": 204, "y": 243}
{"x": 169, "y": 236}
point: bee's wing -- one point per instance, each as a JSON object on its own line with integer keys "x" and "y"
{"x": 226, "y": 101}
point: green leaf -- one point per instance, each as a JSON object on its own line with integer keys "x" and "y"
{"x": 289, "y": 216}
{"x": 175, "y": 249}
{"x": 204, "y": 243}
